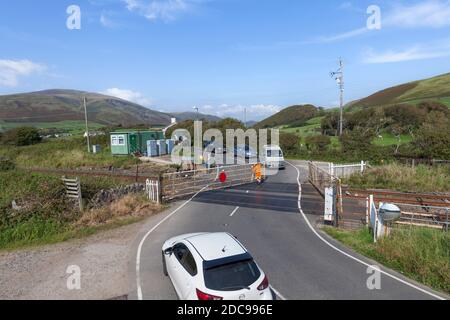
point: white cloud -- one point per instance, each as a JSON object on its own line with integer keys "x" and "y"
{"x": 254, "y": 112}
{"x": 12, "y": 70}
{"x": 106, "y": 21}
{"x": 128, "y": 95}
{"x": 166, "y": 10}
{"x": 430, "y": 13}
{"x": 417, "y": 52}
{"x": 341, "y": 36}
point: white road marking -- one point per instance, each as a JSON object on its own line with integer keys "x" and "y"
{"x": 234, "y": 211}
{"x": 345, "y": 253}
{"x": 138, "y": 256}
{"x": 277, "y": 293}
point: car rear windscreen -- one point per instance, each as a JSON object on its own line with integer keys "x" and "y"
{"x": 232, "y": 277}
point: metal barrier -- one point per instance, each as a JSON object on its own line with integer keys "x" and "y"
{"x": 327, "y": 185}
{"x": 346, "y": 170}
{"x": 182, "y": 184}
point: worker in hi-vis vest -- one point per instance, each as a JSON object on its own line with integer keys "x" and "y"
{"x": 257, "y": 171}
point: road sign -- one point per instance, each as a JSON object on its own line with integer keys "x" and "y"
{"x": 223, "y": 177}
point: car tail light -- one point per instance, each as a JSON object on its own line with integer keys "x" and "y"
{"x": 264, "y": 285}
{"x": 205, "y": 296}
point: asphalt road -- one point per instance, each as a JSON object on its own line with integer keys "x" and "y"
{"x": 301, "y": 263}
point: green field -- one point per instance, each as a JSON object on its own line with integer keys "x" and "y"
{"x": 68, "y": 126}
{"x": 389, "y": 139}
{"x": 312, "y": 127}
{"x": 67, "y": 153}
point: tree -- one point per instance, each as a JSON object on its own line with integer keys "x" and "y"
{"x": 357, "y": 141}
{"x": 433, "y": 138}
{"x": 21, "y": 136}
{"x": 317, "y": 143}
{"x": 290, "y": 143}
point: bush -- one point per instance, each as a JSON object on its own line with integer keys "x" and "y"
{"x": 317, "y": 143}
{"x": 290, "y": 143}
{"x": 433, "y": 139}
{"x": 21, "y": 136}
{"x": 6, "y": 164}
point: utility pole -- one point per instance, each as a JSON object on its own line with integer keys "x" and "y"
{"x": 245, "y": 117}
{"x": 196, "y": 108}
{"x": 339, "y": 77}
{"x": 87, "y": 128}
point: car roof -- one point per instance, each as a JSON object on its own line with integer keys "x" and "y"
{"x": 213, "y": 246}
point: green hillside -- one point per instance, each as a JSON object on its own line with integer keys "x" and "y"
{"x": 436, "y": 88}
{"x": 65, "y": 105}
{"x": 292, "y": 116}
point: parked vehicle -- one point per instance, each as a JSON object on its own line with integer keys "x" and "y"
{"x": 214, "y": 147}
{"x": 213, "y": 266}
{"x": 272, "y": 157}
{"x": 245, "y": 151}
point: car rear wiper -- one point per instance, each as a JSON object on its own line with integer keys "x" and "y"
{"x": 236, "y": 287}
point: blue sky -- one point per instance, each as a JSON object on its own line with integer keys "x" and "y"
{"x": 221, "y": 55}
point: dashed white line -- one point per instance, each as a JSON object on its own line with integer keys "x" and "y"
{"x": 234, "y": 211}
{"x": 345, "y": 253}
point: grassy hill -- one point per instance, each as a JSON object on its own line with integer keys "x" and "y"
{"x": 183, "y": 116}
{"x": 291, "y": 116}
{"x": 436, "y": 88}
{"x": 53, "y": 106}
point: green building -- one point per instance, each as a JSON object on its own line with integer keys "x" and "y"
{"x": 132, "y": 142}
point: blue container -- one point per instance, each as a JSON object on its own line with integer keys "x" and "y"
{"x": 162, "y": 147}
{"x": 152, "y": 148}
{"x": 170, "y": 146}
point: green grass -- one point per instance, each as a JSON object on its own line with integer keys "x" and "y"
{"x": 40, "y": 232}
{"x": 403, "y": 178}
{"x": 418, "y": 253}
{"x": 389, "y": 139}
{"x": 47, "y": 217}
{"x": 71, "y": 126}
{"x": 64, "y": 153}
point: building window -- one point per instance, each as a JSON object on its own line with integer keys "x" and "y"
{"x": 118, "y": 140}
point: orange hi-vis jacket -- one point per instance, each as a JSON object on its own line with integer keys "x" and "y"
{"x": 257, "y": 170}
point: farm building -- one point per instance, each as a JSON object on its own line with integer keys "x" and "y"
{"x": 132, "y": 142}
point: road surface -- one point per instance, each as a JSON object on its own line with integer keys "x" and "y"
{"x": 301, "y": 263}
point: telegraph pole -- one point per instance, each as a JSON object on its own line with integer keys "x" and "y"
{"x": 339, "y": 77}
{"x": 87, "y": 128}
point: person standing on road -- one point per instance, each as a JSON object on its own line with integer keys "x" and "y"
{"x": 257, "y": 171}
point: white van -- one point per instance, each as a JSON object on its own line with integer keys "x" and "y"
{"x": 272, "y": 157}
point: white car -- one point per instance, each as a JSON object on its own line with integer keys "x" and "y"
{"x": 213, "y": 266}
{"x": 272, "y": 157}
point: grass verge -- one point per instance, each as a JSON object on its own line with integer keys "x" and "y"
{"x": 418, "y": 253}
{"x": 403, "y": 178}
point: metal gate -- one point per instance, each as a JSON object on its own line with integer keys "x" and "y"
{"x": 182, "y": 184}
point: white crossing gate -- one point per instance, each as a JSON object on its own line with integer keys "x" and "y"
{"x": 153, "y": 190}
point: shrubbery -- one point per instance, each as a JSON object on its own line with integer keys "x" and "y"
{"x": 21, "y": 136}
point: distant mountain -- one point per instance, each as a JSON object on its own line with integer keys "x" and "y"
{"x": 436, "y": 88}
{"x": 183, "y": 116}
{"x": 295, "y": 115}
{"x": 61, "y": 105}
